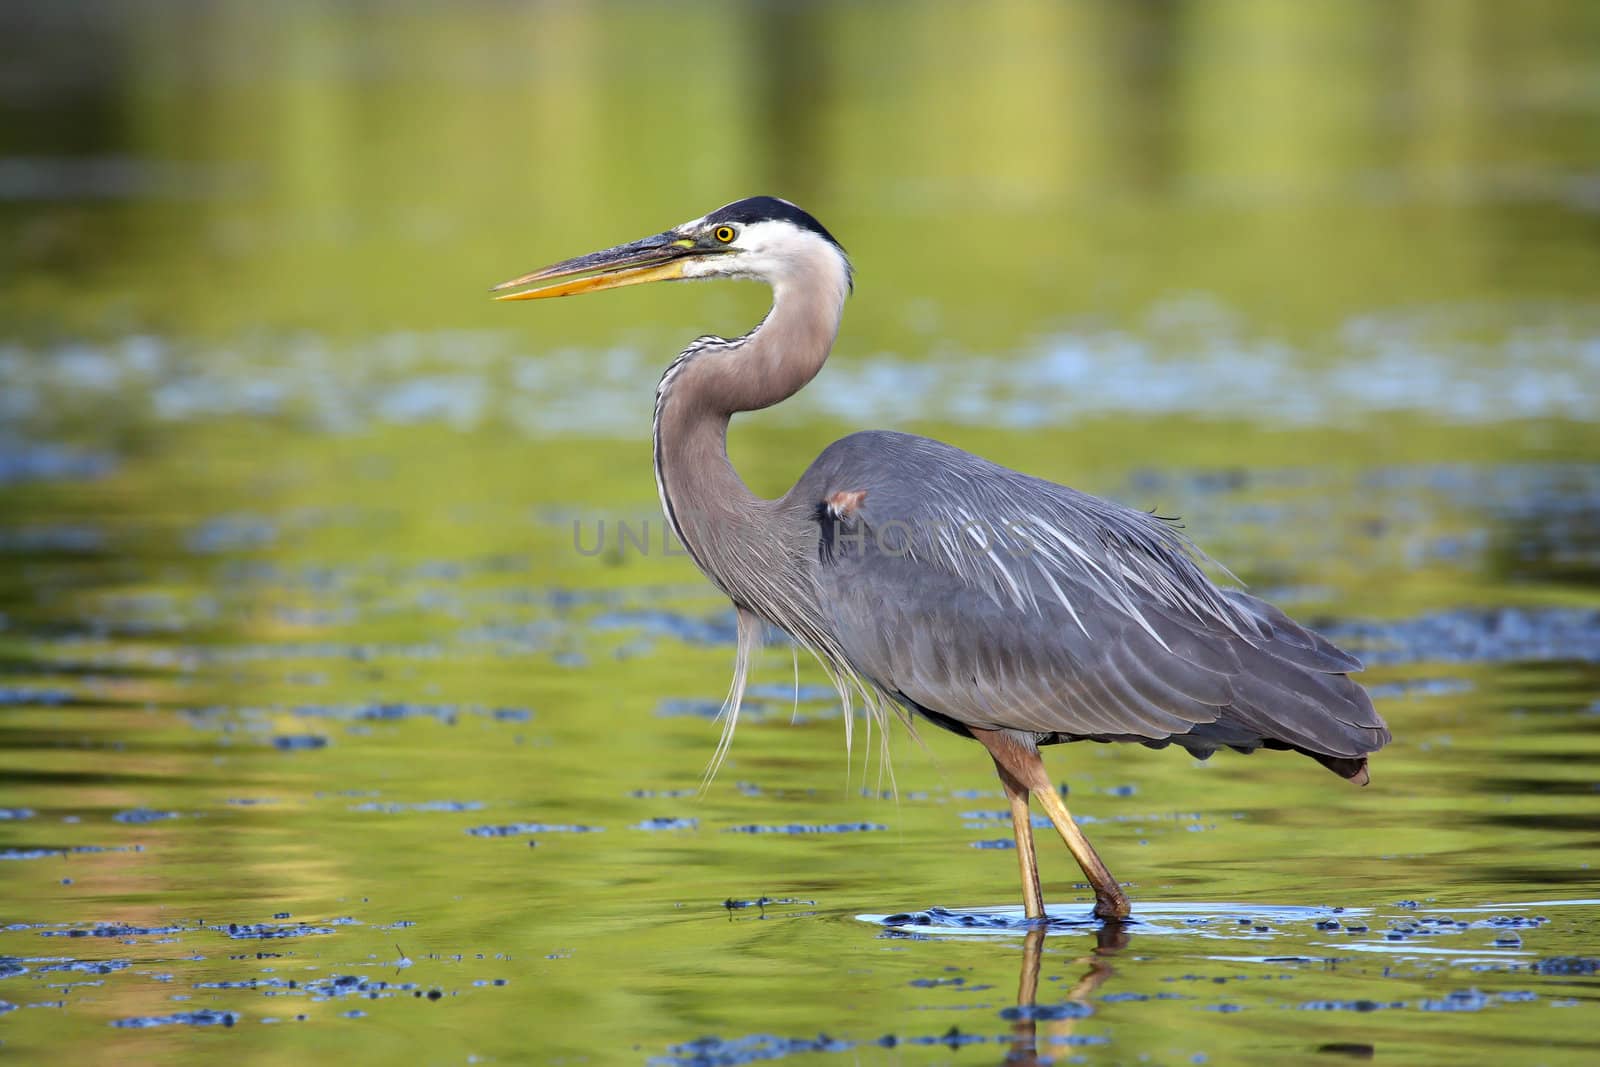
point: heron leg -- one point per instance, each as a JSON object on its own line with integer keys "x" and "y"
{"x": 1109, "y": 900}
{"x": 1018, "y": 757}
{"x": 1022, "y": 828}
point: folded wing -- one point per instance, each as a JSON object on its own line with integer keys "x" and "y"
{"x": 986, "y": 598}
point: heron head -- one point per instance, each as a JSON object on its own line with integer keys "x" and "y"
{"x": 760, "y": 238}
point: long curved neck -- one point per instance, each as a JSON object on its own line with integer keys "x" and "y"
{"x": 705, "y": 500}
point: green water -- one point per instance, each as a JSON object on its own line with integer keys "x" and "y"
{"x": 295, "y": 580}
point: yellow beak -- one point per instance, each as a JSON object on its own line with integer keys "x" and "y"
{"x": 654, "y": 259}
{"x": 611, "y": 280}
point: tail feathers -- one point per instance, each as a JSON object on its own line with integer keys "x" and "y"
{"x": 1354, "y": 769}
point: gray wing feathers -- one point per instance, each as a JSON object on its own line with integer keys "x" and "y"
{"x": 928, "y": 637}
{"x": 1020, "y": 539}
{"x": 1003, "y": 601}
{"x": 1290, "y": 641}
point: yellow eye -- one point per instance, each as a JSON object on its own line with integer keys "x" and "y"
{"x": 724, "y": 234}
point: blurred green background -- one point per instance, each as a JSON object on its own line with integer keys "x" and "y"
{"x": 288, "y": 508}
{"x": 198, "y": 170}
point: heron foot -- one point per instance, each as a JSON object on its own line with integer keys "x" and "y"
{"x": 1111, "y": 908}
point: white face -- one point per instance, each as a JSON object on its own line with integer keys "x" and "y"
{"x": 774, "y": 252}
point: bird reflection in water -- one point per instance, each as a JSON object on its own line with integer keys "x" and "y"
{"x": 1060, "y": 1019}
{"x": 1036, "y": 1027}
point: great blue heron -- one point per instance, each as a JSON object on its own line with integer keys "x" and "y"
{"x": 999, "y": 606}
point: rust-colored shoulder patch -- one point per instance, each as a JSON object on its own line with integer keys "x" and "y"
{"x": 845, "y": 503}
